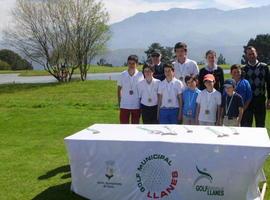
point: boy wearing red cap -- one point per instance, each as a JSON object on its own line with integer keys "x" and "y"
{"x": 208, "y": 103}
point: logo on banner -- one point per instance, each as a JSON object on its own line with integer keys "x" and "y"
{"x": 109, "y": 169}
{"x": 156, "y": 177}
{"x": 109, "y": 175}
{"x": 204, "y": 184}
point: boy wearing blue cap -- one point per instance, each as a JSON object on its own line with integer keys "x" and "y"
{"x": 231, "y": 105}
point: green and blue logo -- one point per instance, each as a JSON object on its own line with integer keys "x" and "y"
{"x": 208, "y": 189}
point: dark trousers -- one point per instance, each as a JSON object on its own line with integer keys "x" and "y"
{"x": 149, "y": 114}
{"x": 257, "y": 108}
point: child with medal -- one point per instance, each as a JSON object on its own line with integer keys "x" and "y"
{"x": 127, "y": 93}
{"x": 148, "y": 89}
{"x": 170, "y": 98}
{"x": 232, "y": 105}
{"x": 183, "y": 65}
{"x": 208, "y": 103}
{"x": 189, "y": 100}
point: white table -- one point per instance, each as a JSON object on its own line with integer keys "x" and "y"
{"x": 138, "y": 162}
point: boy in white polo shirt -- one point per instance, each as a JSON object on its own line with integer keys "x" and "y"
{"x": 148, "y": 93}
{"x": 182, "y": 65}
{"x": 208, "y": 103}
{"x": 128, "y": 97}
{"x": 170, "y": 97}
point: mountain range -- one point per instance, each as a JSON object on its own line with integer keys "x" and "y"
{"x": 202, "y": 29}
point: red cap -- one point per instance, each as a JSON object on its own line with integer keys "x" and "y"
{"x": 209, "y": 77}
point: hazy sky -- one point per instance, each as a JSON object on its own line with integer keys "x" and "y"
{"x": 121, "y": 9}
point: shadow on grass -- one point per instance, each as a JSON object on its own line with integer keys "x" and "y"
{"x": 58, "y": 192}
{"x": 54, "y": 172}
{"x": 13, "y": 88}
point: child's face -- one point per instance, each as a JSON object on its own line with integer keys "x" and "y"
{"x": 148, "y": 73}
{"x": 211, "y": 59}
{"x": 180, "y": 53}
{"x": 236, "y": 74}
{"x": 209, "y": 84}
{"x": 192, "y": 84}
{"x": 229, "y": 90}
{"x": 155, "y": 59}
{"x": 132, "y": 64}
{"x": 168, "y": 73}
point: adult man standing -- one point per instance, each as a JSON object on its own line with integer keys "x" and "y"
{"x": 182, "y": 65}
{"x": 258, "y": 76}
{"x": 157, "y": 65}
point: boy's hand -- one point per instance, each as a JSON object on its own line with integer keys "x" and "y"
{"x": 238, "y": 122}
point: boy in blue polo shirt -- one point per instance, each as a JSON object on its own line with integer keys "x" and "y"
{"x": 189, "y": 100}
{"x": 243, "y": 88}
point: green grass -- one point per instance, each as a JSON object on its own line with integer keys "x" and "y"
{"x": 11, "y": 71}
{"x": 223, "y": 66}
{"x": 93, "y": 69}
{"x": 34, "y": 120}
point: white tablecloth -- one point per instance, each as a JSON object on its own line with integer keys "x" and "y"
{"x": 138, "y": 162}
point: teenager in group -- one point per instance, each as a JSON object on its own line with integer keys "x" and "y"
{"x": 208, "y": 103}
{"x": 182, "y": 65}
{"x": 258, "y": 75}
{"x": 170, "y": 98}
{"x": 232, "y": 105}
{"x": 242, "y": 88}
{"x": 157, "y": 65}
{"x": 189, "y": 100}
{"x": 212, "y": 68}
{"x": 128, "y": 97}
{"x": 148, "y": 93}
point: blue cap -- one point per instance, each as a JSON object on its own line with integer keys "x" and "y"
{"x": 229, "y": 83}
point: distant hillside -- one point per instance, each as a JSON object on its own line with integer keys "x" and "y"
{"x": 202, "y": 29}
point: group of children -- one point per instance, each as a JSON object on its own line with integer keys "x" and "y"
{"x": 186, "y": 94}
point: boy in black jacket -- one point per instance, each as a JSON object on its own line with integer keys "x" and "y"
{"x": 212, "y": 68}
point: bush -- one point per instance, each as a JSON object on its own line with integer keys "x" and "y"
{"x": 15, "y": 61}
{"x": 4, "y": 65}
